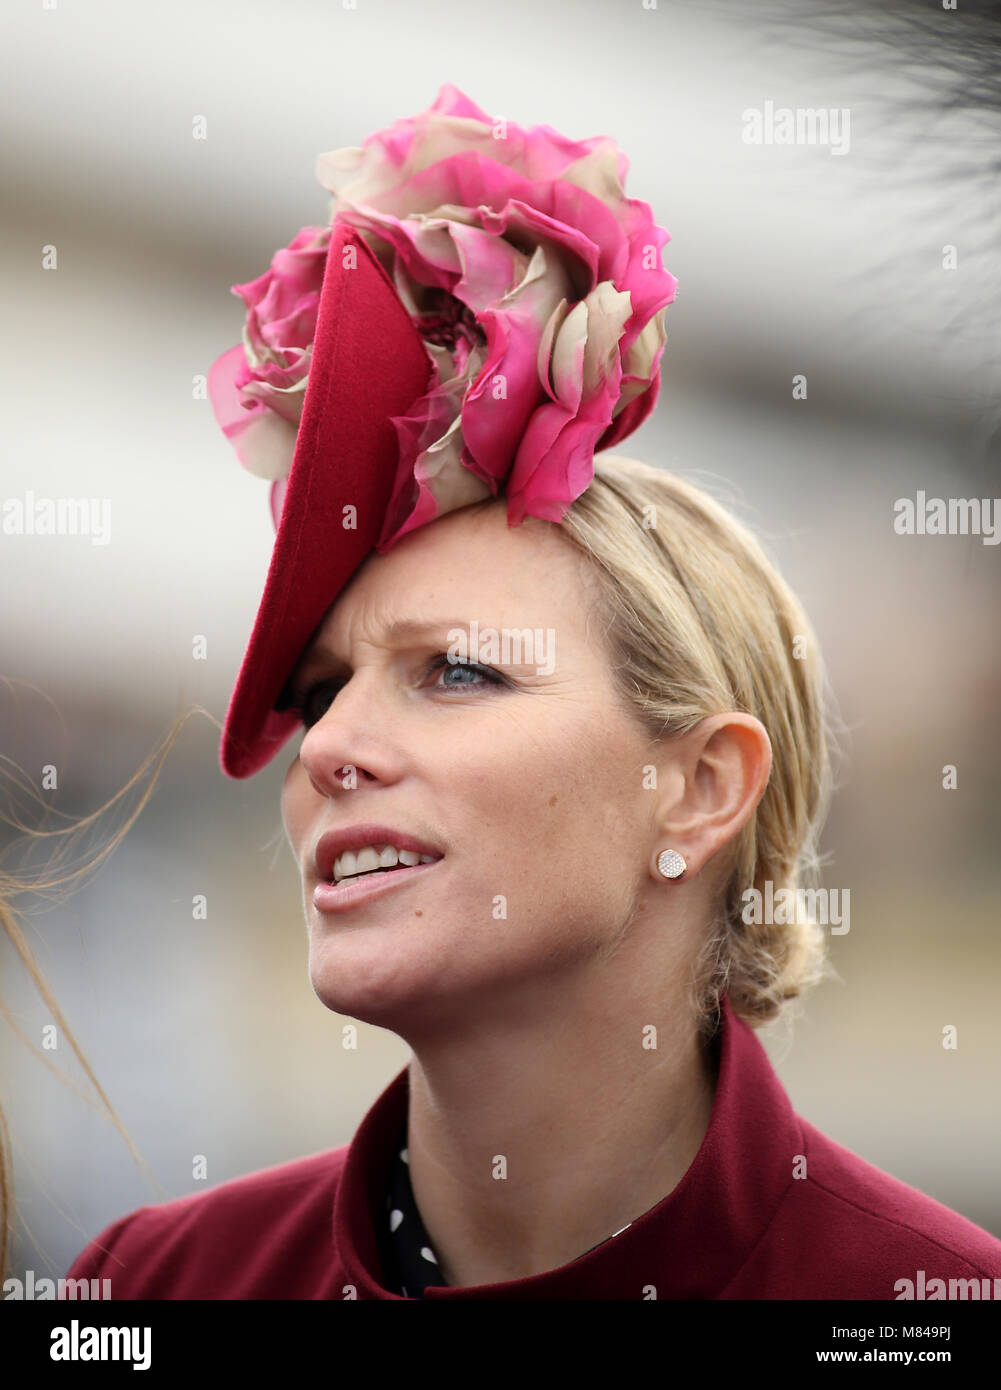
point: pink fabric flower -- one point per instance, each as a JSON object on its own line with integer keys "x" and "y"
{"x": 257, "y": 389}
{"x": 535, "y": 283}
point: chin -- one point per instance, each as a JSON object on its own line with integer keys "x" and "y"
{"x": 376, "y": 980}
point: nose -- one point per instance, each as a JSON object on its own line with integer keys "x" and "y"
{"x": 338, "y": 752}
{"x": 344, "y": 778}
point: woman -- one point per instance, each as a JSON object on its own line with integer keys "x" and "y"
{"x": 552, "y": 747}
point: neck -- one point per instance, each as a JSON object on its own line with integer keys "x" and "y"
{"x": 531, "y": 1144}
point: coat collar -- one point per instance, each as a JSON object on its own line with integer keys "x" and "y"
{"x": 689, "y": 1246}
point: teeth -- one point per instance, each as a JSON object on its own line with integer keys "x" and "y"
{"x": 372, "y": 857}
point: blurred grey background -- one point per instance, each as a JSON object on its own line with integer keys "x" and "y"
{"x": 205, "y": 1034}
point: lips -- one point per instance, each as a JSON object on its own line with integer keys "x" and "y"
{"x": 333, "y": 843}
{"x": 334, "y": 899}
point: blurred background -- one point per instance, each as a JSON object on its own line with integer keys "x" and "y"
{"x": 205, "y": 1034}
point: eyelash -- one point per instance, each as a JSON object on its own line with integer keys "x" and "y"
{"x": 301, "y": 700}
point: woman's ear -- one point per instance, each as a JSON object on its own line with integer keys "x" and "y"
{"x": 719, "y": 771}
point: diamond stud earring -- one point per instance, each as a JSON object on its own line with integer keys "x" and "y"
{"x": 671, "y": 864}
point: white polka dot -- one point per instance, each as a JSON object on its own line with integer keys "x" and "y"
{"x": 405, "y": 1155}
{"x": 395, "y": 1217}
{"x": 428, "y": 1254}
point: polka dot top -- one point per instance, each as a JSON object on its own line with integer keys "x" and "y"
{"x": 410, "y": 1262}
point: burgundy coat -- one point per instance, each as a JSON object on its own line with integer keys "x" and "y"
{"x": 749, "y": 1220}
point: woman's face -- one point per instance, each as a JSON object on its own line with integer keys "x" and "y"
{"x": 529, "y": 784}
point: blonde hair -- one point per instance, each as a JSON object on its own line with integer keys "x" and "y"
{"x": 700, "y": 622}
{"x": 71, "y": 862}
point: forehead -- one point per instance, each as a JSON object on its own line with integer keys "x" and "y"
{"x": 468, "y": 564}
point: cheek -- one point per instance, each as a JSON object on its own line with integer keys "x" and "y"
{"x": 562, "y": 810}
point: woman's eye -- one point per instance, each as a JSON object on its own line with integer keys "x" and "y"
{"x": 486, "y": 674}
{"x": 313, "y": 703}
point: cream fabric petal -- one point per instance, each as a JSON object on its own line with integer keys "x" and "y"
{"x": 285, "y": 401}
{"x": 334, "y": 165}
{"x": 535, "y": 270}
{"x": 597, "y": 173}
{"x": 639, "y": 359}
{"x": 266, "y": 446}
{"x": 607, "y": 312}
{"x": 569, "y": 348}
{"x": 553, "y": 324}
{"x": 434, "y": 242}
{"x": 452, "y": 212}
{"x": 443, "y": 360}
{"x": 348, "y": 177}
{"x": 443, "y": 450}
{"x": 404, "y": 285}
{"x": 441, "y": 470}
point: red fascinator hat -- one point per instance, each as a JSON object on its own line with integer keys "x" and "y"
{"x": 343, "y": 466}
{"x": 483, "y": 312}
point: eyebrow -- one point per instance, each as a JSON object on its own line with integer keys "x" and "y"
{"x": 419, "y": 627}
